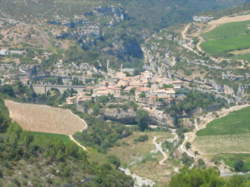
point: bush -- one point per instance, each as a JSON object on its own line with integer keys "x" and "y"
{"x": 142, "y": 119}
{"x": 197, "y": 178}
{"x": 141, "y": 138}
{"x": 115, "y": 161}
{"x": 239, "y": 166}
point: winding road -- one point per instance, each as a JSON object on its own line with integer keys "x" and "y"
{"x": 159, "y": 148}
{"x": 71, "y": 137}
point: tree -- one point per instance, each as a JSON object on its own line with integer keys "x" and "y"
{"x": 197, "y": 178}
{"x": 239, "y": 165}
{"x": 142, "y": 119}
{"x": 142, "y": 95}
{"x": 8, "y": 90}
{"x": 132, "y": 91}
{"x": 188, "y": 145}
{"x": 115, "y": 161}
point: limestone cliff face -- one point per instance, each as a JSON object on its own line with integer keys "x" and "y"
{"x": 128, "y": 116}
{"x": 157, "y": 52}
{"x": 120, "y": 115}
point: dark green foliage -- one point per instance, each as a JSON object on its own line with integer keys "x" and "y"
{"x": 68, "y": 162}
{"x": 8, "y": 90}
{"x": 186, "y": 160}
{"x": 4, "y": 118}
{"x": 142, "y": 119}
{"x": 17, "y": 91}
{"x": 101, "y": 134}
{"x": 188, "y": 145}
{"x": 207, "y": 178}
{"x": 20, "y": 143}
{"x": 195, "y": 100}
{"x": 197, "y": 178}
{"x": 24, "y": 93}
{"x": 115, "y": 161}
{"x": 141, "y": 138}
{"x": 201, "y": 164}
{"x": 239, "y": 165}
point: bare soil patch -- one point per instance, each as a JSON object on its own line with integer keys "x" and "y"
{"x": 42, "y": 118}
{"x": 215, "y": 23}
{"x": 240, "y": 52}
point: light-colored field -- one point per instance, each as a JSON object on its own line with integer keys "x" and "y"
{"x": 212, "y": 145}
{"x": 215, "y": 23}
{"x": 42, "y": 118}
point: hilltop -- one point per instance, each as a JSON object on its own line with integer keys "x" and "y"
{"x": 104, "y": 30}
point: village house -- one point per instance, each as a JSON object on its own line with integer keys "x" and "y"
{"x": 148, "y": 88}
{"x": 4, "y": 52}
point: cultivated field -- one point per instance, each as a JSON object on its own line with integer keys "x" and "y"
{"x": 215, "y": 23}
{"x": 41, "y": 118}
{"x": 228, "y": 39}
{"x": 226, "y": 138}
{"x": 237, "y": 122}
{"x": 212, "y": 145}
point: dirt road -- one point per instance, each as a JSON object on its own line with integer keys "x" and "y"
{"x": 159, "y": 148}
{"x": 77, "y": 143}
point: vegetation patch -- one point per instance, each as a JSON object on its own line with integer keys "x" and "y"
{"x": 227, "y": 38}
{"x": 227, "y": 139}
{"x": 53, "y": 159}
{"x": 141, "y": 157}
{"x": 237, "y": 122}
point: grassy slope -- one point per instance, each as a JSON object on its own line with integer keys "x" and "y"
{"x": 45, "y": 138}
{"x": 235, "y": 123}
{"x": 228, "y": 37}
{"x": 227, "y": 138}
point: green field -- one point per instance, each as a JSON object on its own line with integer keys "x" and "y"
{"x": 227, "y": 38}
{"x": 227, "y": 138}
{"x": 237, "y": 122}
{"x": 44, "y": 139}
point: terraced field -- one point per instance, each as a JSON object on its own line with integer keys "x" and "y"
{"x": 227, "y": 138}
{"x": 229, "y": 40}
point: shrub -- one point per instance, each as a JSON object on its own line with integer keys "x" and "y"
{"x": 141, "y": 138}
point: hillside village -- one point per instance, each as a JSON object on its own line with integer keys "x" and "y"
{"x": 121, "y": 93}
{"x": 144, "y": 88}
